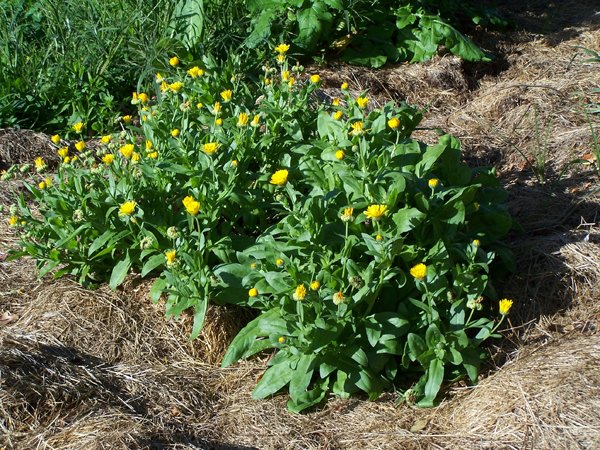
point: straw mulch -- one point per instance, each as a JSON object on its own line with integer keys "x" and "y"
{"x": 83, "y": 369}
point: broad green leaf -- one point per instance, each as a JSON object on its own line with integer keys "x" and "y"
{"x": 199, "y": 316}
{"x": 435, "y": 376}
{"x": 152, "y": 263}
{"x": 275, "y": 378}
{"x": 120, "y": 272}
{"x": 157, "y": 289}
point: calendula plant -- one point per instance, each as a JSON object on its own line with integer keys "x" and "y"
{"x": 367, "y": 253}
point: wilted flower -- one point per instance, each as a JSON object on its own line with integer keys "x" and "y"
{"x": 280, "y": 177}
{"x": 338, "y": 297}
{"x": 78, "y": 216}
{"x": 172, "y": 233}
{"x": 146, "y": 242}
{"x": 191, "y": 205}
{"x": 376, "y": 212}
{"x": 419, "y": 271}
{"x": 127, "y": 208}
{"x": 216, "y": 108}
{"x": 505, "y": 305}
{"x": 394, "y": 123}
{"x": 300, "y": 292}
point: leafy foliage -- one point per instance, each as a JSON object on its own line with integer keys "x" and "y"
{"x": 367, "y": 253}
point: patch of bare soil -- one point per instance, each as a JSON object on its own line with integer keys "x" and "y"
{"x": 83, "y": 369}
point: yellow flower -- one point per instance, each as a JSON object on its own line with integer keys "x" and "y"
{"x": 216, "y": 108}
{"x": 267, "y": 81}
{"x": 280, "y": 177}
{"x": 40, "y": 164}
{"x": 191, "y": 206}
{"x": 195, "y": 72}
{"x": 13, "y": 221}
{"x": 335, "y": 102}
{"x": 282, "y": 49}
{"x": 338, "y": 115}
{"x": 135, "y": 158}
{"x": 106, "y": 139}
{"x": 175, "y": 133}
{"x": 347, "y": 215}
{"x": 394, "y": 123}
{"x": 340, "y": 154}
{"x": 148, "y": 145}
{"x": 127, "y": 119}
{"x": 315, "y": 285}
{"x": 242, "y": 120}
{"x": 376, "y": 212}
{"x": 108, "y": 158}
{"x": 210, "y": 147}
{"x": 379, "y": 238}
{"x": 218, "y": 122}
{"x": 77, "y": 127}
{"x": 362, "y": 102}
{"x": 174, "y": 61}
{"x": 291, "y": 81}
{"x": 199, "y": 105}
{"x": 285, "y": 75}
{"x": 143, "y": 97}
{"x": 127, "y": 208}
{"x": 357, "y": 128}
{"x": 153, "y": 155}
{"x": 300, "y": 292}
{"x": 74, "y": 158}
{"x": 170, "y": 256}
{"x": 159, "y": 78}
{"x": 433, "y": 182}
{"x": 344, "y": 86}
{"x": 338, "y": 297}
{"x": 476, "y": 243}
{"x": 281, "y": 339}
{"x": 279, "y": 262}
{"x": 315, "y": 79}
{"x": 176, "y": 87}
{"x": 67, "y": 160}
{"x": 505, "y": 305}
{"x": 80, "y": 145}
{"x": 63, "y": 151}
{"x": 280, "y": 59}
{"x": 419, "y": 272}
{"x": 55, "y": 138}
{"x": 226, "y": 95}
{"x": 164, "y": 86}
{"x": 234, "y": 162}
{"x": 127, "y": 150}
{"x": 253, "y": 292}
{"x": 42, "y": 185}
{"x": 255, "y": 120}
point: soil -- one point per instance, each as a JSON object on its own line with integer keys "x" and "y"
{"x": 102, "y": 369}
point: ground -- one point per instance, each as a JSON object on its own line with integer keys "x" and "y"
{"x": 86, "y": 369}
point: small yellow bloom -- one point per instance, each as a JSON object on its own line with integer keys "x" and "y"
{"x": 148, "y": 145}
{"x": 279, "y": 178}
{"x": 282, "y": 49}
{"x": 226, "y": 95}
{"x": 176, "y": 87}
{"x": 191, "y": 205}
{"x": 175, "y": 133}
{"x": 362, "y": 102}
{"x": 74, "y": 158}
{"x": 174, "y": 61}
{"x": 234, "y": 162}
{"x": 126, "y": 150}
{"x": 340, "y": 154}
{"x": 279, "y": 262}
{"x": 108, "y": 158}
{"x": 218, "y": 121}
{"x": 281, "y": 339}
{"x": 376, "y": 212}
{"x": 164, "y": 86}
{"x": 419, "y": 271}
{"x": 153, "y": 155}
{"x": 315, "y": 79}
{"x": 315, "y": 285}
{"x": 199, "y": 105}
{"x": 127, "y": 208}
{"x": 253, "y": 265}
{"x": 126, "y": 119}
{"x": 336, "y": 101}
{"x": 67, "y": 160}
{"x": 267, "y": 81}
{"x": 433, "y": 182}
{"x": 344, "y": 86}
{"x": 77, "y": 127}
{"x": 42, "y": 185}
{"x": 55, "y": 138}
{"x": 347, "y": 215}
{"x": 171, "y": 256}
{"x": 195, "y": 72}
{"x": 135, "y": 158}
{"x": 106, "y": 139}
{"x": 63, "y": 152}
{"x": 216, "y": 108}
{"x": 476, "y": 243}
{"x": 80, "y": 145}
{"x": 159, "y": 78}
{"x": 300, "y": 292}
{"x": 505, "y": 305}
{"x": 255, "y": 121}
{"x": 40, "y": 164}
{"x": 280, "y": 59}
{"x": 338, "y": 297}
{"x": 379, "y": 238}
{"x": 357, "y": 128}
{"x": 285, "y": 75}
{"x": 143, "y": 97}
{"x": 394, "y": 123}
{"x": 13, "y": 221}
{"x": 291, "y": 81}
{"x": 253, "y": 292}
{"x": 338, "y": 115}
{"x": 210, "y": 147}
{"x": 242, "y": 120}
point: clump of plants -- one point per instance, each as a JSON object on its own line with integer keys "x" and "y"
{"x": 368, "y": 254}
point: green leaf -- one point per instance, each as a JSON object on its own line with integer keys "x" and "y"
{"x": 435, "y": 376}
{"x": 309, "y": 398}
{"x": 275, "y": 378}
{"x": 199, "y": 316}
{"x": 152, "y": 263}
{"x": 157, "y": 289}
{"x": 407, "y": 219}
{"x": 302, "y": 376}
{"x": 120, "y": 272}
{"x": 416, "y": 346}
